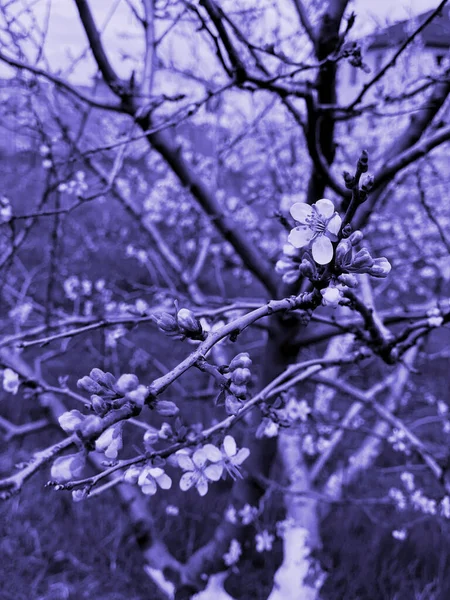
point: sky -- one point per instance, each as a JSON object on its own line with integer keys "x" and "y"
{"x": 66, "y": 40}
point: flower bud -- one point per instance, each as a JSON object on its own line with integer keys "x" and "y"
{"x": 138, "y": 395}
{"x": 89, "y": 385}
{"x": 368, "y": 184}
{"x": 166, "y": 408}
{"x": 362, "y": 260}
{"x": 308, "y": 267}
{"x": 126, "y": 383}
{"x": 241, "y": 376}
{"x": 356, "y": 237}
{"x": 331, "y": 296}
{"x": 106, "y": 379}
{"x": 79, "y": 495}
{"x": 189, "y": 322}
{"x": 363, "y": 162}
{"x": 238, "y": 390}
{"x": 381, "y": 267}
{"x": 90, "y": 426}
{"x": 67, "y": 467}
{"x": 70, "y": 421}
{"x": 344, "y": 253}
{"x": 348, "y": 180}
{"x": 166, "y": 323}
{"x": 165, "y": 432}
{"x": 232, "y": 404}
{"x": 241, "y": 360}
{"x": 348, "y": 279}
{"x": 98, "y": 404}
{"x": 346, "y": 230}
{"x": 150, "y": 437}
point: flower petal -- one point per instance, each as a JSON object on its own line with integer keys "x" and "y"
{"x": 334, "y": 224}
{"x": 229, "y": 445}
{"x": 202, "y": 486}
{"x": 185, "y": 462}
{"x": 188, "y": 480}
{"x": 213, "y": 472}
{"x": 325, "y": 207}
{"x": 322, "y": 250}
{"x": 199, "y": 458}
{"x": 156, "y": 472}
{"x": 242, "y": 455}
{"x": 144, "y": 474}
{"x": 301, "y": 211}
{"x": 149, "y": 487}
{"x": 213, "y": 453}
{"x": 164, "y": 482}
{"x": 300, "y": 236}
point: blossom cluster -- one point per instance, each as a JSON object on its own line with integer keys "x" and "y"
{"x": 414, "y": 497}
{"x": 210, "y": 463}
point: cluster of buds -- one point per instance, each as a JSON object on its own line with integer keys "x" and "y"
{"x": 240, "y": 377}
{"x": 184, "y": 325}
{"x": 288, "y": 265}
{"x": 351, "y": 261}
{"x": 107, "y": 392}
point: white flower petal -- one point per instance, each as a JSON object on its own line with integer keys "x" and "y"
{"x": 325, "y": 207}
{"x": 300, "y": 236}
{"x": 149, "y": 487}
{"x": 334, "y": 224}
{"x": 229, "y": 445}
{"x": 188, "y": 480}
{"x": 185, "y": 462}
{"x": 145, "y": 473}
{"x": 322, "y": 250}
{"x": 213, "y": 453}
{"x": 242, "y": 455}
{"x": 199, "y": 458}
{"x": 213, "y": 472}
{"x": 202, "y": 486}
{"x": 164, "y": 481}
{"x": 301, "y": 211}
{"x": 156, "y": 472}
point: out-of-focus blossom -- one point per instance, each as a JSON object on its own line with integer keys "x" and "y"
{"x": 10, "y": 381}
{"x": 264, "y": 541}
{"x": 234, "y": 553}
{"x": 231, "y": 514}
{"x": 5, "y": 210}
{"x": 399, "y": 534}
{"x": 248, "y": 514}
{"x": 319, "y": 226}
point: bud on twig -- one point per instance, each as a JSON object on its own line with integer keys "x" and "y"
{"x": 363, "y": 162}
{"x": 349, "y": 180}
{"x": 189, "y": 324}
